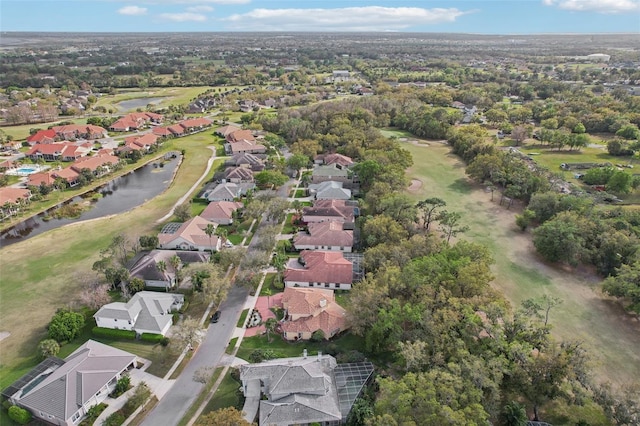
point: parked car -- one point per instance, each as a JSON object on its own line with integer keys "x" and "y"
{"x": 215, "y": 317}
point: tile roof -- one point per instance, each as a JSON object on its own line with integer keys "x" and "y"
{"x": 67, "y": 174}
{"x": 339, "y": 159}
{"x": 92, "y": 163}
{"x": 240, "y": 173}
{"x": 12, "y": 195}
{"x": 192, "y": 231}
{"x": 317, "y": 310}
{"x": 324, "y": 234}
{"x": 36, "y": 179}
{"x": 320, "y": 267}
{"x": 225, "y": 130}
{"x": 161, "y": 131}
{"x": 330, "y": 208}
{"x": 239, "y": 135}
{"x": 195, "y": 122}
{"x": 43, "y": 136}
{"x": 330, "y": 170}
{"x": 243, "y": 145}
{"x": 220, "y": 210}
{"x": 75, "y": 382}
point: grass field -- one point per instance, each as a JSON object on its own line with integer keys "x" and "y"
{"x": 171, "y": 95}
{"x": 45, "y": 272}
{"x": 610, "y": 335}
{"x": 227, "y": 395}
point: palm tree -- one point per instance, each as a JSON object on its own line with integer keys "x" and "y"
{"x": 222, "y": 233}
{"x": 209, "y": 230}
{"x": 162, "y": 266}
{"x": 267, "y": 291}
{"x": 270, "y": 326}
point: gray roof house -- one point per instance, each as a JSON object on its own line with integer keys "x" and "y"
{"x": 330, "y": 172}
{"x": 329, "y": 190}
{"x": 228, "y": 191}
{"x": 302, "y": 390}
{"x": 62, "y": 391}
{"x": 145, "y": 312}
{"x": 145, "y": 267}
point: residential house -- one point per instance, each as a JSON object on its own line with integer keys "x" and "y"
{"x": 98, "y": 165}
{"x": 46, "y": 178}
{"x": 328, "y": 269}
{"x": 244, "y": 146}
{"x": 228, "y": 191}
{"x": 227, "y": 130}
{"x": 240, "y": 135}
{"x": 79, "y": 131}
{"x": 329, "y": 190}
{"x": 324, "y": 236}
{"x": 190, "y": 235}
{"x": 302, "y": 390}
{"x": 238, "y": 174}
{"x": 61, "y": 392}
{"x": 145, "y": 312}
{"x": 11, "y": 199}
{"x": 330, "y": 210}
{"x": 146, "y": 267}
{"x": 177, "y": 130}
{"x": 58, "y": 151}
{"x": 194, "y": 124}
{"x": 161, "y": 131}
{"x": 42, "y": 137}
{"x": 340, "y": 160}
{"x": 255, "y": 162}
{"x": 308, "y": 310}
{"x": 139, "y": 143}
{"x": 68, "y": 175}
{"x": 221, "y": 212}
{"x": 330, "y": 172}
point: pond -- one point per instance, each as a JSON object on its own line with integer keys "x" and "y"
{"x": 137, "y": 103}
{"x": 117, "y": 196}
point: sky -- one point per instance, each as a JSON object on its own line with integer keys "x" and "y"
{"x": 450, "y": 16}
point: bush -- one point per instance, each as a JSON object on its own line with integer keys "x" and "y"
{"x": 260, "y": 355}
{"x": 19, "y": 415}
{"x": 113, "y": 334}
{"x": 65, "y": 325}
{"x": 151, "y": 337}
{"x": 185, "y": 305}
{"x": 47, "y": 348}
{"x": 317, "y": 336}
{"x": 116, "y": 419}
{"x": 139, "y": 397}
{"x": 123, "y": 385}
{"x": 164, "y": 342}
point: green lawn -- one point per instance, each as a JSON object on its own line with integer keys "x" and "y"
{"x": 606, "y": 331}
{"x": 243, "y": 316}
{"x": 288, "y": 227}
{"x": 270, "y": 285}
{"x": 227, "y": 395}
{"x": 41, "y": 284}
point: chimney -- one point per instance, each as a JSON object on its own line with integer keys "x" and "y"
{"x": 323, "y": 303}
{"x": 304, "y": 353}
{"x": 319, "y": 355}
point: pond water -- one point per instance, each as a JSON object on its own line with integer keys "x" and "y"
{"x": 137, "y": 103}
{"x": 119, "y": 195}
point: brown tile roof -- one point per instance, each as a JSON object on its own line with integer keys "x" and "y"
{"x": 324, "y": 234}
{"x": 35, "y": 179}
{"x": 161, "y": 131}
{"x": 196, "y": 122}
{"x": 225, "y": 130}
{"x": 241, "y": 173}
{"x": 192, "y": 231}
{"x": 320, "y": 267}
{"x": 67, "y": 174}
{"x": 92, "y": 163}
{"x": 334, "y": 208}
{"x": 239, "y": 135}
{"x": 220, "y": 210}
{"x": 317, "y": 309}
{"x": 339, "y": 159}
{"x": 12, "y": 195}
{"x": 246, "y": 145}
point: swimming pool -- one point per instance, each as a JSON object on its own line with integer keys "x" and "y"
{"x": 25, "y": 170}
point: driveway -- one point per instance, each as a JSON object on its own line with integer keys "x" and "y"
{"x": 185, "y": 390}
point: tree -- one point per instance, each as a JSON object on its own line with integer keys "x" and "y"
{"x": 382, "y": 229}
{"x": 519, "y": 134}
{"x": 137, "y": 284}
{"x": 47, "y": 348}
{"x": 524, "y": 220}
{"x": 183, "y": 212}
{"x": 210, "y": 230}
{"x": 428, "y": 208}
{"x": 19, "y": 415}
{"x": 148, "y": 242}
{"x": 629, "y": 132}
{"x": 626, "y": 284}
{"x": 270, "y": 326}
{"x": 620, "y": 182}
{"x": 562, "y": 239}
{"x": 450, "y": 224}
{"x": 65, "y": 325}
{"x": 297, "y": 162}
{"x": 94, "y": 295}
{"x": 260, "y": 354}
{"x": 229, "y": 416}
{"x": 268, "y": 178}
{"x": 513, "y": 414}
{"x": 203, "y": 374}
{"x": 187, "y": 333}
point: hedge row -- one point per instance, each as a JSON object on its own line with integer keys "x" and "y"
{"x": 114, "y": 334}
{"x": 152, "y": 337}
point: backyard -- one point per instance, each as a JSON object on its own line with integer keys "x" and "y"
{"x": 610, "y": 335}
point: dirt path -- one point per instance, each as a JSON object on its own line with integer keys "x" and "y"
{"x": 611, "y": 336}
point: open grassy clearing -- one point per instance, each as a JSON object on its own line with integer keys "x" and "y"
{"x": 227, "y": 395}
{"x": 21, "y": 132}
{"x": 43, "y": 273}
{"x": 610, "y": 335}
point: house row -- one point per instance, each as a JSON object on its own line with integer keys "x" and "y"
{"x": 183, "y": 128}
{"x": 138, "y": 143}
{"x": 59, "y": 151}
{"x": 98, "y": 165}
{"x": 136, "y": 121}
{"x": 67, "y": 132}
{"x": 12, "y": 199}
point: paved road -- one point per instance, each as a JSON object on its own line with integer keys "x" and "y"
{"x": 179, "y": 398}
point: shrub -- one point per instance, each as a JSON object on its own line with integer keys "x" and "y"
{"x": 47, "y": 348}
{"x": 260, "y": 355}
{"x": 116, "y": 419}
{"x": 19, "y": 415}
{"x": 185, "y": 305}
{"x": 123, "y": 385}
{"x": 113, "y": 334}
{"x": 65, "y": 325}
{"x": 151, "y": 337}
{"x": 164, "y": 342}
{"x": 139, "y": 397}
{"x": 317, "y": 336}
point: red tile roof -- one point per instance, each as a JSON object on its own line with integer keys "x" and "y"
{"x": 239, "y": 135}
{"x": 92, "y": 163}
{"x": 161, "y": 131}
{"x": 12, "y": 195}
{"x": 320, "y": 267}
{"x": 42, "y": 136}
{"x": 316, "y": 310}
{"x": 67, "y": 174}
{"x": 196, "y": 122}
{"x": 35, "y": 179}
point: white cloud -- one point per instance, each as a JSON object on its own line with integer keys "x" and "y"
{"x": 132, "y": 10}
{"x": 368, "y": 18}
{"x": 182, "y": 17}
{"x": 600, "y": 6}
{"x": 200, "y": 8}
